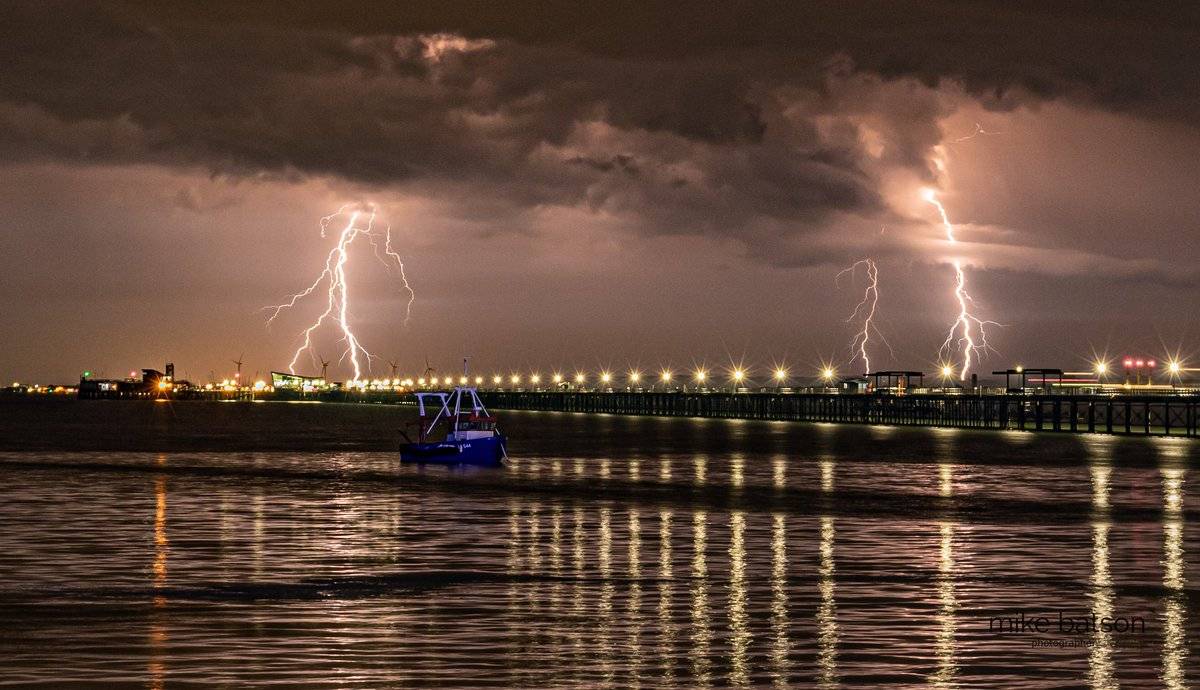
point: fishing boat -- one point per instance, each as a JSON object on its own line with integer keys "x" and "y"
{"x": 471, "y": 435}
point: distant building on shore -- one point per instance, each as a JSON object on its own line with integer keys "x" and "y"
{"x": 282, "y": 381}
{"x": 152, "y": 384}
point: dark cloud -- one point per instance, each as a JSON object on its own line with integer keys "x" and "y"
{"x": 387, "y": 92}
{"x": 710, "y": 140}
{"x": 1120, "y": 53}
{"x": 736, "y": 143}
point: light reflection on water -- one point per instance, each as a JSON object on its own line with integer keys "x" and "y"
{"x": 946, "y": 672}
{"x": 701, "y": 666}
{"x": 1100, "y": 665}
{"x": 781, "y": 649}
{"x": 1175, "y": 601}
{"x": 355, "y": 582}
{"x": 827, "y": 632}
{"x": 158, "y": 631}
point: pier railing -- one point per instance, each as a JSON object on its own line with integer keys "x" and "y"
{"x": 1122, "y": 414}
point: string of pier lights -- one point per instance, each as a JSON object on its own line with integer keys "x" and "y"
{"x": 1139, "y": 372}
{"x": 634, "y": 379}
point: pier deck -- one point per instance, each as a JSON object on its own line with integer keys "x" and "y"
{"x": 1170, "y": 415}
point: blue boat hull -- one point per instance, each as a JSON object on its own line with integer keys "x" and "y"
{"x": 488, "y": 452}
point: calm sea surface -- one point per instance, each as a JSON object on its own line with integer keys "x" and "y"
{"x": 248, "y": 545}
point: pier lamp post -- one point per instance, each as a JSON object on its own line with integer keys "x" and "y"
{"x": 1101, "y": 369}
{"x": 497, "y": 380}
{"x": 666, "y": 379}
{"x": 535, "y": 380}
{"x": 780, "y": 377}
{"x": 739, "y": 377}
{"x": 579, "y": 380}
{"x": 515, "y": 379}
{"x": 700, "y": 376}
{"x": 605, "y": 378}
{"x": 1174, "y": 369}
{"x": 827, "y": 375}
{"x": 947, "y": 373}
{"x": 635, "y": 377}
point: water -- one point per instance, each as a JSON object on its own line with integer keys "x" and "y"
{"x": 613, "y": 552}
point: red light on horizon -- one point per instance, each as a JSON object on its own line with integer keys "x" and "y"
{"x": 1150, "y": 363}
{"x": 1128, "y": 362}
{"x": 1141, "y": 363}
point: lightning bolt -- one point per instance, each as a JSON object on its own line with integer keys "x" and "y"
{"x": 866, "y": 306}
{"x": 979, "y": 131}
{"x": 969, "y": 329}
{"x": 334, "y": 276}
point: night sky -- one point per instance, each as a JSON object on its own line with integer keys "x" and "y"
{"x": 594, "y": 188}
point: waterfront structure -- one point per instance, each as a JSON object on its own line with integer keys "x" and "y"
{"x": 293, "y": 382}
{"x": 151, "y": 384}
{"x": 1168, "y": 415}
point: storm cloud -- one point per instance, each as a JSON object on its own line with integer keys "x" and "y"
{"x": 789, "y": 137}
{"x": 732, "y": 116}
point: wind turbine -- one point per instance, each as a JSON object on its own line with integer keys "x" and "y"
{"x": 324, "y": 369}
{"x": 238, "y": 362}
{"x": 428, "y": 369}
{"x": 395, "y": 366}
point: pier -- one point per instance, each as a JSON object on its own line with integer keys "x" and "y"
{"x": 1163, "y": 415}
